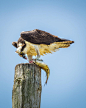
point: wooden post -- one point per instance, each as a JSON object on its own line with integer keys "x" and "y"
{"x": 27, "y": 86}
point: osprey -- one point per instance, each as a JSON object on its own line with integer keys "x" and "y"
{"x": 38, "y": 42}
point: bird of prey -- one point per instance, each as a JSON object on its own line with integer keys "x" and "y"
{"x": 37, "y": 43}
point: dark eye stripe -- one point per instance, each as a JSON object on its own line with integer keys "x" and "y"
{"x": 23, "y": 47}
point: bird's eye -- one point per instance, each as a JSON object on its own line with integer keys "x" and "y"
{"x": 21, "y": 52}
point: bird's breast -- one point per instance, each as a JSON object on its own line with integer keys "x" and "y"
{"x": 29, "y": 49}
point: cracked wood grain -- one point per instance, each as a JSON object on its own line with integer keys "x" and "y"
{"x": 27, "y": 86}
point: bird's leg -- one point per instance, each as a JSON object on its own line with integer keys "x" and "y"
{"x": 30, "y": 58}
{"x": 38, "y": 54}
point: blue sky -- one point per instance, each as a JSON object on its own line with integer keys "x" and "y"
{"x": 66, "y": 86}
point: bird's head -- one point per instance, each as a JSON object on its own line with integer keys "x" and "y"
{"x": 20, "y": 48}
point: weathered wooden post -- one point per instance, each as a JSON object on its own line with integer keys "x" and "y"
{"x": 27, "y": 86}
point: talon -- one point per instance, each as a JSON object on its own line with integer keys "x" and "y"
{"x": 31, "y": 61}
{"x": 37, "y": 59}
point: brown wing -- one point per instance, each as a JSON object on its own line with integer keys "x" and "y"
{"x": 40, "y": 37}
